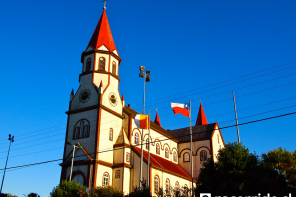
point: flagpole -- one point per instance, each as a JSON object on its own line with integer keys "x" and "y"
{"x": 148, "y": 166}
{"x": 191, "y": 146}
{"x": 141, "y": 160}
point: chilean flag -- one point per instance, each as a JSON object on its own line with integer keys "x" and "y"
{"x": 180, "y": 108}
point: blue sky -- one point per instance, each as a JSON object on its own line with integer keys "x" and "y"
{"x": 188, "y": 46}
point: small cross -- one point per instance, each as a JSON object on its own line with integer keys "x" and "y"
{"x": 200, "y": 101}
{"x": 104, "y": 3}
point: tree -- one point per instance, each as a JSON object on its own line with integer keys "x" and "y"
{"x": 238, "y": 172}
{"x": 284, "y": 162}
{"x": 69, "y": 189}
{"x": 105, "y": 192}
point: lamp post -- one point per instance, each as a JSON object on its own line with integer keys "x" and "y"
{"x": 11, "y": 139}
{"x": 74, "y": 146}
{"x": 146, "y": 77}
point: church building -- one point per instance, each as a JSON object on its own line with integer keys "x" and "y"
{"x": 100, "y": 122}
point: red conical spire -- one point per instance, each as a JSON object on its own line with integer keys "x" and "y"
{"x": 122, "y": 98}
{"x": 157, "y": 120}
{"x": 201, "y": 117}
{"x": 102, "y": 35}
{"x": 101, "y": 84}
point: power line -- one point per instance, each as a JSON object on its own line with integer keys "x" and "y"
{"x": 250, "y": 122}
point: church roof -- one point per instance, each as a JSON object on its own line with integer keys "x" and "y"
{"x": 102, "y": 35}
{"x": 198, "y": 133}
{"x": 122, "y": 138}
{"x": 157, "y": 120}
{"x": 163, "y": 164}
{"x": 201, "y": 117}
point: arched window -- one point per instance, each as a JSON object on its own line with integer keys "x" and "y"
{"x": 166, "y": 152}
{"x": 157, "y": 149}
{"x": 102, "y": 63}
{"x": 136, "y": 138}
{"x": 203, "y": 156}
{"x": 156, "y": 184}
{"x": 106, "y": 179}
{"x": 81, "y": 129}
{"x": 114, "y": 68}
{"x": 186, "y": 157}
{"x": 177, "y": 186}
{"x": 111, "y": 134}
{"x": 218, "y": 138}
{"x": 167, "y": 186}
{"x": 147, "y": 143}
{"x": 88, "y": 64}
{"x": 174, "y": 156}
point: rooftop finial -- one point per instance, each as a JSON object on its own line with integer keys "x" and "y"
{"x": 105, "y": 4}
{"x": 200, "y": 101}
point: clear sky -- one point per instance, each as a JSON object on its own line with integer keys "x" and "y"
{"x": 189, "y": 46}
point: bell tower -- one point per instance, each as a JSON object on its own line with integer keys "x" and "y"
{"x": 95, "y": 111}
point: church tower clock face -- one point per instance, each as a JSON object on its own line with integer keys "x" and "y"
{"x": 84, "y": 96}
{"x": 112, "y": 99}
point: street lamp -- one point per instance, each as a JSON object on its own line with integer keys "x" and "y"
{"x": 11, "y": 139}
{"x": 74, "y": 146}
{"x": 146, "y": 77}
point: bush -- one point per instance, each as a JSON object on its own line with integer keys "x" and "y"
{"x": 144, "y": 191}
{"x": 105, "y": 192}
{"x": 69, "y": 189}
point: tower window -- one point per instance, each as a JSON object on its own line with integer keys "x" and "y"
{"x": 186, "y": 157}
{"x": 106, "y": 179}
{"x": 136, "y": 138}
{"x": 203, "y": 156}
{"x": 166, "y": 152}
{"x": 114, "y": 68}
{"x": 88, "y": 64}
{"x": 111, "y": 134}
{"x": 157, "y": 149}
{"x": 117, "y": 174}
{"x": 81, "y": 129}
{"x": 218, "y": 138}
{"x": 102, "y": 63}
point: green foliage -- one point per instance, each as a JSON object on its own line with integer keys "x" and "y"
{"x": 7, "y": 195}
{"x": 69, "y": 189}
{"x": 239, "y": 172}
{"x": 105, "y": 192}
{"x": 144, "y": 191}
{"x": 175, "y": 192}
{"x": 284, "y": 162}
{"x": 32, "y": 195}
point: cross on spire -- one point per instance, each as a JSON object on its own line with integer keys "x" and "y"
{"x": 105, "y": 3}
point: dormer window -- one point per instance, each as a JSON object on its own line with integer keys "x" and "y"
{"x": 102, "y": 63}
{"x": 114, "y": 68}
{"x": 88, "y": 65}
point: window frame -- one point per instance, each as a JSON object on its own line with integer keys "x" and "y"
{"x": 156, "y": 189}
{"x": 114, "y": 67}
{"x": 147, "y": 143}
{"x": 174, "y": 156}
{"x": 177, "y": 186}
{"x": 104, "y": 60}
{"x": 108, "y": 180}
{"x": 86, "y": 64}
{"x": 127, "y": 157}
{"x": 188, "y": 157}
{"x": 117, "y": 174}
{"x": 77, "y": 128}
{"x": 203, "y": 155}
{"x": 157, "y": 148}
{"x": 166, "y": 152}
{"x": 136, "y": 138}
{"x": 167, "y": 186}
{"x": 111, "y": 131}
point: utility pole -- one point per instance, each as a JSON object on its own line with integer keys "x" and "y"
{"x": 238, "y": 138}
{"x": 11, "y": 139}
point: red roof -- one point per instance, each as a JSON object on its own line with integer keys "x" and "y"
{"x": 157, "y": 120}
{"x": 102, "y": 35}
{"x": 201, "y": 117}
{"x": 162, "y": 163}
